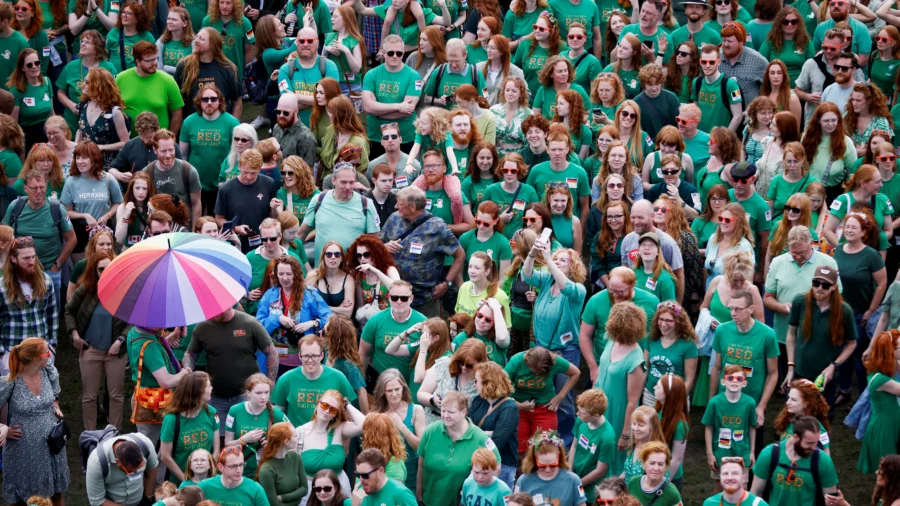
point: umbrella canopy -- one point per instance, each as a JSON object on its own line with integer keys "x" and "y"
{"x": 173, "y": 280}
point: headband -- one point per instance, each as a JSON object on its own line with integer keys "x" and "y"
{"x": 543, "y": 436}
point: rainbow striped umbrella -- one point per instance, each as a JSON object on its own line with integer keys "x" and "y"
{"x": 173, "y": 280}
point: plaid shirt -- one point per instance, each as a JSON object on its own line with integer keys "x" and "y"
{"x": 39, "y": 318}
{"x": 748, "y": 71}
{"x": 422, "y": 253}
{"x": 372, "y": 29}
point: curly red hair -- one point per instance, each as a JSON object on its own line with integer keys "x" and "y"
{"x": 381, "y": 257}
{"x": 577, "y": 113}
{"x": 816, "y": 406}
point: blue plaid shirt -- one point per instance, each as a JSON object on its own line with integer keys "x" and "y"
{"x": 39, "y": 318}
{"x": 372, "y": 28}
{"x": 422, "y": 253}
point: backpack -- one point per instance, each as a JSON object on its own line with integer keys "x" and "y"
{"x": 257, "y": 80}
{"x": 91, "y": 439}
{"x": 185, "y": 177}
{"x": 320, "y": 60}
{"x": 813, "y": 469}
{"x": 698, "y": 82}
{"x": 55, "y": 212}
{"x": 365, "y": 205}
{"x": 440, "y": 74}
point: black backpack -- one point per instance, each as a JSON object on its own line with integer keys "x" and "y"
{"x": 698, "y": 82}
{"x": 440, "y": 74}
{"x": 55, "y": 213}
{"x": 813, "y": 469}
{"x": 257, "y": 80}
{"x": 91, "y": 439}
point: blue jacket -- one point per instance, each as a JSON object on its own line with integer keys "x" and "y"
{"x": 270, "y": 308}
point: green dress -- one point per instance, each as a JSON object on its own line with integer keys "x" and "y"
{"x": 883, "y": 430}
{"x": 613, "y": 379}
{"x": 331, "y": 457}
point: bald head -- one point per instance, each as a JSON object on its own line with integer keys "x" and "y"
{"x": 307, "y": 45}
{"x": 287, "y": 102}
{"x": 642, "y": 216}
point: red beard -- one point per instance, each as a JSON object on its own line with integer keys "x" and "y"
{"x": 284, "y": 122}
{"x": 435, "y": 179}
{"x": 463, "y": 140}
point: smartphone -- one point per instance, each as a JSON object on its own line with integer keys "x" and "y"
{"x": 545, "y": 234}
{"x": 228, "y": 226}
{"x": 833, "y": 494}
{"x": 598, "y": 111}
{"x": 648, "y": 43}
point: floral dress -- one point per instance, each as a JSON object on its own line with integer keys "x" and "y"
{"x": 28, "y": 467}
{"x": 509, "y": 133}
{"x": 368, "y": 293}
{"x": 876, "y": 123}
{"x": 103, "y": 131}
{"x": 445, "y": 383}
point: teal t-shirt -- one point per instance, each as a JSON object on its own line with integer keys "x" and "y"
{"x": 490, "y": 495}
{"x": 542, "y": 176}
{"x": 715, "y": 110}
{"x": 210, "y": 143}
{"x": 294, "y": 77}
{"x": 392, "y": 88}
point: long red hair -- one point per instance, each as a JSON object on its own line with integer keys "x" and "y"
{"x": 813, "y": 136}
{"x": 675, "y": 408}
{"x": 883, "y": 348}
{"x": 816, "y": 406}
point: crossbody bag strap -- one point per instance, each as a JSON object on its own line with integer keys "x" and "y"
{"x": 137, "y": 385}
{"x": 515, "y": 196}
{"x": 122, "y": 48}
{"x": 491, "y": 410}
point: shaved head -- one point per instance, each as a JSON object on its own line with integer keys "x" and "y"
{"x": 288, "y": 102}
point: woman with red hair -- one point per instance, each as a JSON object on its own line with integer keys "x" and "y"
{"x": 374, "y": 268}
{"x": 497, "y": 69}
{"x": 488, "y": 27}
{"x": 326, "y": 89}
{"x": 883, "y": 430}
{"x": 804, "y": 399}
{"x": 828, "y": 148}
{"x": 480, "y": 172}
{"x": 101, "y": 117}
{"x": 91, "y": 195}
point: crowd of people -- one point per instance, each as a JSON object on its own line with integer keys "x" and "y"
{"x": 500, "y": 252}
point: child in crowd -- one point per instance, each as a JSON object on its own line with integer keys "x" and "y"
{"x": 483, "y": 486}
{"x": 730, "y": 421}
{"x": 594, "y": 441}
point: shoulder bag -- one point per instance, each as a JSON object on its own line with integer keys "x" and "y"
{"x": 148, "y": 403}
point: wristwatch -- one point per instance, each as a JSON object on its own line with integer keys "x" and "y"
{"x": 449, "y": 283}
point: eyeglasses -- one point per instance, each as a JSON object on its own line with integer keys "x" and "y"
{"x": 790, "y": 22}
{"x": 307, "y": 41}
{"x": 539, "y": 28}
{"x": 286, "y": 173}
{"x": 831, "y": 48}
{"x": 614, "y": 186}
{"x": 658, "y": 209}
{"x": 709, "y": 62}
{"x": 842, "y": 68}
{"x": 575, "y": 36}
{"x": 364, "y": 254}
{"x": 390, "y": 137}
{"x": 879, "y": 38}
{"x": 683, "y": 54}
{"x": 365, "y": 476}
{"x": 513, "y": 170}
{"x": 487, "y": 319}
{"x": 208, "y": 100}
{"x": 725, "y": 220}
{"x": 328, "y": 408}
{"x": 311, "y": 358}
{"x": 282, "y": 112}
{"x": 243, "y": 139}
{"x": 718, "y": 199}
{"x": 269, "y": 239}
{"x": 886, "y": 158}
{"x": 530, "y": 219}
{"x": 432, "y": 166}
{"x": 400, "y": 298}
{"x": 824, "y": 285}
{"x": 612, "y": 217}
{"x": 333, "y": 254}
{"x": 32, "y": 64}
{"x": 235, "y": 467}
{"x": 670, "y": 172}
{"x": 484, "y": 223}
{"x": 791, "y": 209}
{"x": 737, "y": 309}
{"x": 327, "y": 489}
{"x": 626, "y": 114}
{"x": 393, "y": 53}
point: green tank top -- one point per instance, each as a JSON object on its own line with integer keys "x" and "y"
{"x": 718, "y": 310}
{"x": 562, "y": 229}
{"x": 331, "y": 457}
{"x": 135, "y": 229}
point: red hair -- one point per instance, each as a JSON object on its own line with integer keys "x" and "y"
{"x": 381, "y": 257}
{"x": 882, "y": 358}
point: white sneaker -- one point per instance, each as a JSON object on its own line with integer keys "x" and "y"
{"x": 260, "y": 122}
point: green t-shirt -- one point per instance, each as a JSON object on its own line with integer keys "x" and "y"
{"x": 714, "y": 109}
{"x": 593, "y": 446}
{"x": 731, "y": 423}
{"x": 393, "y": 492}
{"x": 346, "y": 75}
{"x": 298, "y": 79}
{"x": 668, "y": 496}
{"x": 113, "y": 47}
{"x": 662, "y": 287}
{"x": 35, "y": 103}
{"x": 174, "y": 51}
{"x": 703, "y": 230}
{"x": 706, "y": 35}
{"x": 392, "y": 88}
{"x": 497, "y": 247}
{"x": 409, "y": 33}
{"x": 39, "y": 225}
{"x": 155, "y": 357}
{"x": 210, "y": 143}
{"x": 515, "y": 27}
{"x": 629, "y": 80}
{"x": 529, "y": 386}
{"x": 248, "y": 493}
{"x": 505, "y": 201}
{"x": 491, "y": 495}
{"x": 542, "y": 175}
{"x": 757, "y": 32}
{"x": 197, "y": 9}
{"x": 495, "y": 353}
{"x": 585, "y": 12}
{"x": 475, "y": 55}
{"x": 697, "y": 147}
{"x": 108, "y": 7}
{"x": 531, "y": 64}
{"x": 588, "y": 68}
{"x": 800, "y": 490}
{"x": 665, "y": 360}
{"x": 748, "y": 498}
{"x": 157, "y": 93}
{"x": 760, "y": 217}
{"x": 824, "y": 438}
{"x": 10, "y": 47}
{"x": 475, "y": 191}
{"x": 780, "y": 190}
{"x": 450, "y": 81}
{"x": 70, "y": 80}
{"x": 298, "y": 203}
{"x": 437, "y": 202}
{"x": 240, "y": 422}
{"x": 883, "y": 73}
{"x": 380, "y": 330}
{"x": 195, "y": 433}
{"x": 793, "y": 57}
{"x": 635, "y": 29}
{"x": 41, "y": 43}
{"x": 299, "y": 394}
{"x": 749, "y": 350}
{"x": 856, "y": 272}
{"x": 447, "y": 463}
{"x": 234, "y": 37}
{"x": 596, "y": 313}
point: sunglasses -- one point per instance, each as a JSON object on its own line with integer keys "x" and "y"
{"x": 837, "y": 4}
{"x": 530, "y": 219}
{"x": 333, "y": 254}
{"x": 790, "y": 22}
{"x": 831, "y": 48}
{"x": 725, "y": 220}
{"x": 539, "y": 28}
{"x": 684, "y": 121}
{"x": 709, "y": 62}
{"x": 614, "y": 186}
{"x": 101, "y": 269}
{"x": 327, "y": 489}
{"x": 282, "y": 112}
{"x": 791, "y": 209}
{"x": 393, "y": 53}
{"x": 365, "y": 476}
{"x": 548, "y": 466}
{"x": 207, "y": 100}
{"x": 742, "y": 180}
{"x": 328, "y": 408}
{"x": 487, "y": 319}
{"x": 22, "y": 8}
{"x": 387, "y": 137}
{"x": 365, "y": 254}
{"x": 467, "y": 366}
{"x": 605, "y": 502}
{"x": 401, "y": 298}
{"x": 352, "y": 150}
{"x": 723, "y": 2}
{"x": 286, "y": 173}
{"x": 483, "y": 223}
{"x": 306, "y": 41}
{"x": 514, "y": 170}
{"x": 841, "y": 68}
{"x": 243, "y": 139}
{"x": 732, "y": 460}
{"x": 886, "y": 158}
{"x": 575, "y": 36}
{"x": 657, "y": 209}
{"x": 626, "y": 114}
{"x": 670, "y": 172}
{"x": 735, "y": 378}
{"x": 683, "y": 54}
{"x": 33, "y": 64}
{"x": 269, "y": 239}
{"x": 879, "y": 38}
{"x": 824, "y": 285}
{"x": 24, "y": 240}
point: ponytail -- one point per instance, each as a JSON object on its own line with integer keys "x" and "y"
{"x": 27, "y": 352}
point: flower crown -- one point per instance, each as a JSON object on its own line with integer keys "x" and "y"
{"x": 99, "y": 228}
{"x": 859, "y": 216}
{"x": 670, "y": 305}
{"x": 550, "y": 17}
{"x": 544, "y": 436}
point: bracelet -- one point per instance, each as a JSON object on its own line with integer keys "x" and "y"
{"x": 625, "y": 437}
{"x": 126, "y": 221}
{"x": 790, "y": 364}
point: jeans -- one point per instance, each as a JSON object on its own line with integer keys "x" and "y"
{"x": 565, "y": 413}
{"x": 855, "y": 363}
{"x": 222, "y": 405}
{"x": 430, "y": 309}
{"x": 93, "y": 362}
{"x": 508, "y": 475}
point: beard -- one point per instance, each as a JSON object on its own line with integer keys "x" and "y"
{"x": 694, "y": 17}
{"x": 284, "y": 122}
{"x": 731, "y": 489}
{"x": 801, "y": 451}
{"x": 839, "y": 16}
{"x": 733, "y": 52}
{"x": 434, "y": 179}
{"x": 842, "y": 78}
{"x": 463, "y": 140}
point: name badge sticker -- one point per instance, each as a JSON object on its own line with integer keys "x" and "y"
{"x": 254, "y": 241}
{"x": 416, "y": 248}
{"x": 401, "y": 182}
{"x": 428, "y": 204}
{"x": 29, "y": 101}
{"x": 519, "y": 205}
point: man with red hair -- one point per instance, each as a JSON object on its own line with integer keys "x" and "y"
{"x": 743, "y": 63}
